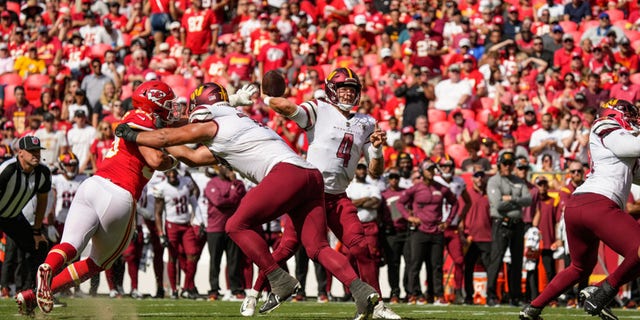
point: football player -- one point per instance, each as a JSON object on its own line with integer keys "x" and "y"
{"x": 596, "y": 212}
{"x": 64, "y": 187}
{"x": 285, "y": 184}
{"x": 103, "y": 209}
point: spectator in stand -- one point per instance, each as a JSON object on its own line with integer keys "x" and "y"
{"x": 173, "y": 40}
{"x": 577, "y": 11}
{"x": 104, "y": 106}
{"x": 93, "y": 83}
{"x": 223, "y": 193}
{"x": 139, "y": 26}
{"x": 395, "y": 235}
{"x": 417, "y": 93}
{"x": 562, "y": 57}
{"x": 547, "y": 140}
{"x": 239, "y": 66}
{"x": 416, "y": 152}
{"x": 471, "y": 74}
{"x": 59, "y": 123}
{"x": 18, "y": 45}
{"x": 9, "y": 137}
{"x": 114, "y": 36}
{"x": 20, "y": 111}
{"x": 477, "y": 232}
{"x": 213, "y": 65}
{"x": 92, "y": 32}
{"x": 138, "y": 69}
{"x": 54, "y": 141}
{"x": 6, "y": 61}
{"x": 101, "y": 144}
{"x": 274, "y": 55}
{"x": 624, "y": 89}
{"x": 564, "y": 97}
{"x": 426, "y": 38}
{"x": 118, "y": 20}
{"x": 49, "y": 48}
{"x": 30, "y": 63}
{"x": 600, "y": 62}
{"x": 475, "y": 162}
{"x": 112, "y": 68}
{"x": 593, "y": 93}
{"x": 602, "y": 30}
{"x": 454, "y": 92}
{"x": 512, "y": 25}
{"x": 199, "y": 29}
{"x": 626, "y": 56}
{"x": 76, "y": 55}
{"x": 162, "y": 63}
{"x": 539, "y": 51}
{"x": 80, "y": 138}
{"x": 555, "y": 11}
{"x": 427, "y": 242}
{"x": 161, "y": 13}
{"x": 462, "y": 131}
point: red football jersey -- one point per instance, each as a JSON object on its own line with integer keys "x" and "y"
{"x": 123, "y": 164}
{"x": 198, "y": 27}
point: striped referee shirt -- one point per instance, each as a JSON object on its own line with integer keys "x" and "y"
{"x": 18, "y": 187}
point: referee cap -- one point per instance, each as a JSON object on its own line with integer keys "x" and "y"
{"x": 29, "y": 143}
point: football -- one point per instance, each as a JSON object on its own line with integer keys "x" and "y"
{"x": 273, "y": 84}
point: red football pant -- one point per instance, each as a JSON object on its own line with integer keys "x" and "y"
{"x": 181, "y": 236}
{"x": 298, "y": 191}
{"x": 453, "y": 243}
{"x": 591, "y": 217}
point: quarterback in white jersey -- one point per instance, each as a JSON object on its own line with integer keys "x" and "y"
{"x": 285, "y": 184}
{"x": 338, "y": 138}
{"x": 595, "y": 212}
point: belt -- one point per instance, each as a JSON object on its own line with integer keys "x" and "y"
{"x": 507, "y": 220}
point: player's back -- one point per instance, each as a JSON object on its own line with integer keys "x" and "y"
{"x": 124, "y": 165}
{"x": 610, "y": 176}
{"x": 336, "y": 144}
{"x": 249, "y": 147}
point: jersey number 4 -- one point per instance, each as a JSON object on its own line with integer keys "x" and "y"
{"x": 344, "y": 150}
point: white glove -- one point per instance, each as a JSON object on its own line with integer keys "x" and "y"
{"x": 52, "y": 233}
{"x": 242, "y": 97}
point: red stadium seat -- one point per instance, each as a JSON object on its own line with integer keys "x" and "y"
{"x": 13, "y": 6}
{"x": 635, "y": 78}
{"x": 11, "y": 79}
{"x": 226, "y": 38}
{"x": 622, "y": 24}
{"x": 370, "y": 59}
{"x": 436, "y": 115}
{"x": 126, "y": 91}
{"x": 126, "y": 38}
{"x": 181, "y": 91}
{"x": 615, "y": 15}
{"x": 98, "y": 50}
{"x": 586, "y": 25}
{"x": 635, "y": 45}
{"x": 375, "y": 71}
{"x": 568, "y": 25}
{"x": 458, "y": 152}
{"x": 466, "y": 113}
{"x": 9, "y": 98}
{"x": 174, "y": 80}
{"x": 483, "y": 116}
{"x": 384, "y": 125}
{"x": 633, "y": 35}
{"x": 487, "y": 103}
{"x": 326, "y": 68}
{"x": 440, "y": 128}
{"x": 446, "y": 59}
{"x": 33, "y": 85}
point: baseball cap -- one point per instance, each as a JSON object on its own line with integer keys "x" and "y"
{"x": 624, "y": 41}
{"x": 498, "y": 20}
{"x": 467, "y": 57}
{"x": 567, "y": 36}
{"x": 507, "y": 157}
{"x": 454, "y": 67}
{"x": 479, "y": 174}
{"x": 603, "y": 15}
{"x": 404, "y": 156}
{"x": 413, "y": 24}
{"x": 557, "y": 28}
{"x": 385, "y": 52}
{"x": 427, "y": 165}
{"x": 182, "y": 100}
{"x": 54, "y": 105}
{"x": 151, "y": 76}
{"x": 345, "y": 41}
{"x": 174, "y": 25}
{"x": 408, "y": 130}
{"x": 8, "y": 125}
{"x": 79, "y": 113}
{"x": 361, "y": 166}
{"x": 43, "y": 29}
{"x": 541, "y": 180}
{"x": 580, "y": 96}
{"x": 3, "y": 46}
{"x": 29, "y": 143}
{"x": 576, "y": 55}
{"x": 48, "y": 117}
{"x": 513, "y": 9}
{"x": 394, "y": 175}
{"x": 522, "y": 162}
{"x": 76, "y": 34}
{"x": 464, "y": 42}
{"x": 163, "y": 46}
{"x": 263, "y": 16}
{"x": 89, "y": 14}
{"x": 624, "y": 70}
{"x": 529, "y": 108}
{"x": 360, "y": 20}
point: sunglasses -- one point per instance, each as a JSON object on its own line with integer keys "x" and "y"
{"x": 576, "y": 171}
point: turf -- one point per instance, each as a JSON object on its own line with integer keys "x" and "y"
{"x": 105, "y": 308}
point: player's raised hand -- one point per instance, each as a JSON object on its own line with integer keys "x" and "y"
{"x": 378, "y": 137}
{"x": 125, "y": 132}
{"x": 242, "y": 97}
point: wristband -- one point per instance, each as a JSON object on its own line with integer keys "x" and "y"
{"x": 375, "y": 153}
{"x": 266, "y": 100}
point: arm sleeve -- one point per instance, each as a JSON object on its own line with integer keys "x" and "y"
{"x": 405, "y": 199}
{"x": 622, "y": 143}
{"x": 494, "y": 193}
{"x": 305, "y": 115}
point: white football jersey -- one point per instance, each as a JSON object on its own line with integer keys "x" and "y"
{"x": 250, "y": 148}
{"x": 457, "y": 185}
{"x": 336, "y": 143}
{"x": 176, "y": 199}
{"x": 147, "y": 202}
{"x": 610, "y": 175}
{"x": 201, "y": 180}
{"x": 65, "y": 191}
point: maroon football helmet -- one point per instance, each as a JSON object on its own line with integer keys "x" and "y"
{"x": 68, "y": 164}
{"x": 624, "y": 112}
{"x": 342, "y": 77}
{"x": 208, "y": 94}
{"x": 5, "y": 152}
{"x": 157, "y": 98}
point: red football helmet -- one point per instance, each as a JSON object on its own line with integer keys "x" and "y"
{"x": 157, "y": 98}
{"x": 5, "y": 152}
{"x": 209, "y": 93}
{"x": 624, "y": 112}
{"x": 68, "y": 164}
{"x": 342, "y": 77}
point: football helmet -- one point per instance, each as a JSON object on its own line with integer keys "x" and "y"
{"x": 157, "y": 98}
{"x": 624, "y": 112}
{"x": 342, "y": 77}
{"x": 209, "y": 93}
{"x": 5, "y": 152}
{"x": 446, "y": 161}
{"x": 68, "y": 164}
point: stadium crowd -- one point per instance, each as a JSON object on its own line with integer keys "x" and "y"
{"x": 472, "y": 95}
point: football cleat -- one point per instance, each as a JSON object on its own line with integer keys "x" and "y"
{"x": 248, "y": 307}
{"x": 366, "y": 311}
{"x": 530, "y": 313}
{"x": 274, "y": 301}
{"x": 380, "y": 311}
{"x": 27, "y": 303}
{"x": 43, "y": 291}
{"x": 597, "y": 299}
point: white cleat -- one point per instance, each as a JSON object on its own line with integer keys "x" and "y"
{"x": 248, "y": 307}
{"x": 380, "y": 311}
{"x": 43, "y": 292}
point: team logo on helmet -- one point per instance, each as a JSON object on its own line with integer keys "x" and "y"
{"x": 156, "y": 96}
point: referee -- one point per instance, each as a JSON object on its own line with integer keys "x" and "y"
{"x": 21, "y": 178}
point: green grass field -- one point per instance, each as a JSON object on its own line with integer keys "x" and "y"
{"x": 105, "y": 308}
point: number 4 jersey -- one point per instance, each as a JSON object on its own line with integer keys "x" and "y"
{"x": 336, "y": 143}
